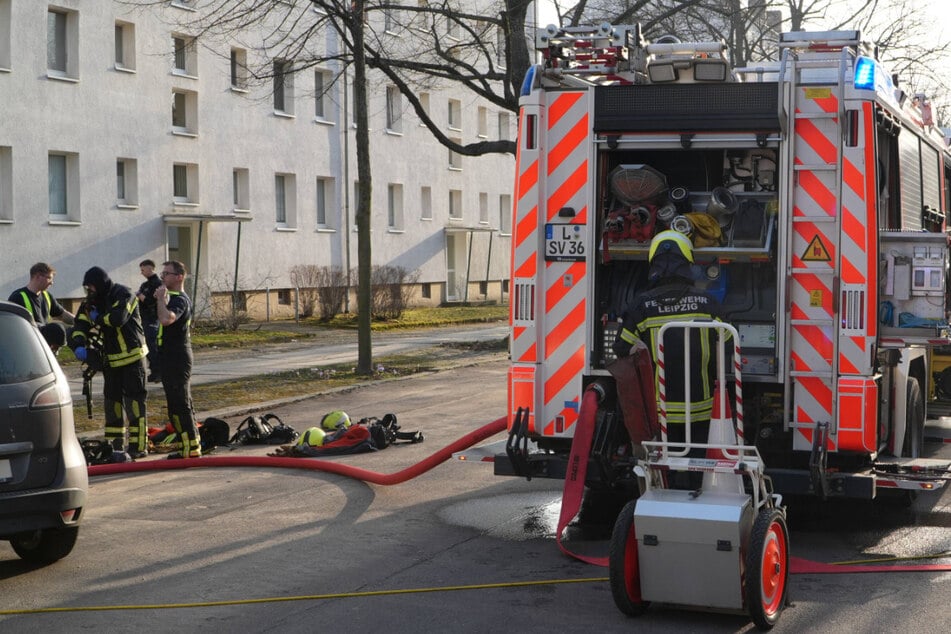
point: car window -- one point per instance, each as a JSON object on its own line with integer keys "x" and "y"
{"x": 22, "y": 356}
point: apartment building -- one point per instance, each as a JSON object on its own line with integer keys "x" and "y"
{"x": 125, "y": 137}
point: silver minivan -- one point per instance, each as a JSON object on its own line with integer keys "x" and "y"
{"x": 43, "y": 477}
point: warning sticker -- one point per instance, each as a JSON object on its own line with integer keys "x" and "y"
{"x": 816, "y": 251}
{"x": 815, "y": 299}
{"x": 818, "y": 93}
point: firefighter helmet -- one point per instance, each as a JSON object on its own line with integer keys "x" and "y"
{"x": 313, "y": 437}
{"x": 335, "y": 420}
{"x": 671, "y": 241}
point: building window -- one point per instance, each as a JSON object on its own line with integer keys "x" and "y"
{"x": 323, "y": 81}
{"x": 323, "y": 198}
{"x": 185, "y": 112}
{"x": 125, "y": 46}
{"x": 239, "y": 69}
{"x": 127, "y": 183}
{"x": 483, "y": 122}
{"x": 483, "y": 288}
{"x": 5, "y": 33}
{"x": 426, "y": 203}
{"x": 284, "y": 296}
{"x": 505, "y": 214}
{"x": 185, "y": 184}
{"x": 426, "y": 290}
{"x": 500, "y": 47}
{"x": 6, "y": 182}
{"x": 62, "y": 44}
{"x": 453, "y": 27}
{"x": 423, "y": 18}
{"x": 424, "y": 104}
{"x": 185, "y": 56}
{"x": 64, "y": 186}
{"x": 241, "y": 188}
{"x": 394, "y": 109}
{"x": 483, "y": 208}
{"x": 283, "y": 87}
{"x": 455, "y": 159}
{"x": 455, "y": 204}
{"x": 455, "y": 114}
{"x": 394, "y": 207}
{"x": 390, "y": 20}
{"x": 505, "y": 132}
{"x": 285, "y": 200}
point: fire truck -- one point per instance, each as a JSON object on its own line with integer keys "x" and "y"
{"x": 815, "y": 192}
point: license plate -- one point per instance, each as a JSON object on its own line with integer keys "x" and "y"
{"x": 565, "y": 242}
{"x": 5, "y": 472}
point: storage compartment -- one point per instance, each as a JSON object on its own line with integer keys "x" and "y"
{"x": 691, "y": 549}
{"x": 913, "y": 267}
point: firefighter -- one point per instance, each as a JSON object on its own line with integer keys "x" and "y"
{"x": 37, "y": 299}
{"x": 672, "y": 296}
{"x": 175, "y": 355}
{"x": 111, "y": 311}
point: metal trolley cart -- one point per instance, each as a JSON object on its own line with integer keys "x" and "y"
{"x": 722, "y": 546}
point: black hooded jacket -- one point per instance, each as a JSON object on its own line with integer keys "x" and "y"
{"x": 117, "y": 319}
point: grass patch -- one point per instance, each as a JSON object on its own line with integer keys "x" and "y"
{"x": 425, "y": 317}
{"x": 252, "y": 390}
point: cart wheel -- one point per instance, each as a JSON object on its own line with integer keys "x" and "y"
{"x": 767, "y": 568}
{"x": 622, "y": 564}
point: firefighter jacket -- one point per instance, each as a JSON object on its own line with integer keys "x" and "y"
{"x": 119, "y": 326}
{"x": 676, "y": 299}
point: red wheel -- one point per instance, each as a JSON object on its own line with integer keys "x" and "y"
{"x": 622, "y": 564}
{"x": 767, "y": 568}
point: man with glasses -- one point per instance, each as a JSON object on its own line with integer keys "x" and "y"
{"x": 37, "y": 299}
{"x": 175, "y": 355}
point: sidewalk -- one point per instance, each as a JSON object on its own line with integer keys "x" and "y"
{"x": 327, "y": 347}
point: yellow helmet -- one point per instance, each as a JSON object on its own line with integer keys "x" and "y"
{"x": 335, "y": 420}
{"x": 671, "y": 240}
{"x": 313, "y": 437}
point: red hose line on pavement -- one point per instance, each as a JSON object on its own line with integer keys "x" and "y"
{"x": 349, "y": 471}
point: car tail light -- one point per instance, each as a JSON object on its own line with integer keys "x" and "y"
{"x": 54, "y": 394}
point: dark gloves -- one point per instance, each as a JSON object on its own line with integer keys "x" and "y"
{"x": 621, "y": 348}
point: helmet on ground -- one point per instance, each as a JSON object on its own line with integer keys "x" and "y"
{"x": 671, "y": 241}
{"x": 313, "y": 437}
{"x": 335, "y": 420}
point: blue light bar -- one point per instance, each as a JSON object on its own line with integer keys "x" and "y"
{"x": 865, "y": 73}
{"x": 527, "y": 82}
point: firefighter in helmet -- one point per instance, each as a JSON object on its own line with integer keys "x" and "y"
{"x": 672, "y": 296}
{"x": 111, "y": 312}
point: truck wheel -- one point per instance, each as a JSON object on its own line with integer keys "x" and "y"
{"x": 45, "y": 546}
{"x": 622, "y": 564}
{"x": 767, "y": 568}
{"x": 913, "y": 445}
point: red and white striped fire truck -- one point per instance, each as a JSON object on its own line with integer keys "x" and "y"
{"x": 827, "y": 187}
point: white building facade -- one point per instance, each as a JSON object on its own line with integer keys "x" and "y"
{"x": 122, "y": 138}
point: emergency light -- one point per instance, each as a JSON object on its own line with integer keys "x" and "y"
{"x": 527, "y": 82}
{"x": 865, "y": 73}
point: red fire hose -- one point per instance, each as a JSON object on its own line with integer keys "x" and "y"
{"x": 349, "y": 471}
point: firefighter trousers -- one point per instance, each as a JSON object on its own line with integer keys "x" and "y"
{"x": 176, "y": 380}
{"x": 124, "y": 390}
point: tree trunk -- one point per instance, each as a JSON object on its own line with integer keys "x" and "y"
{"x": 364, "y": 252}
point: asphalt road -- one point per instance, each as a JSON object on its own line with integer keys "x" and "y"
{"x": 454, "y": 549}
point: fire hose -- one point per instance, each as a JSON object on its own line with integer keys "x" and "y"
{"x": 570, "y": 503}
{"x": 349, "y": 471}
